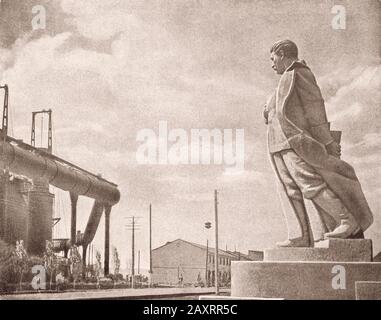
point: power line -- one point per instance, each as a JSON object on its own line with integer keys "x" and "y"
{"x": 131, "y": 226}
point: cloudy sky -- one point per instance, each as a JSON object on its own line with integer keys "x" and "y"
{"x": 110, "y": 68}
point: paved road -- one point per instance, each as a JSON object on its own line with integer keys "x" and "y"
{"x": 155, "y": 293}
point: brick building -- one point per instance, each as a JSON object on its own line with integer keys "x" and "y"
{"x": 180, "y": 261}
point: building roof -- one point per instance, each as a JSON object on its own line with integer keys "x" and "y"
{"x": 231, "y": 254}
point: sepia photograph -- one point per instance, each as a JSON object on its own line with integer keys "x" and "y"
{"x": 211, "y": 151}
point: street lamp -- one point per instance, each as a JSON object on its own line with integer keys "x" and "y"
{"x": 208, "y": 225}
{"x": 216, "y": 275}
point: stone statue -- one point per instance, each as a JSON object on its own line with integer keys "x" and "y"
{"x": 305, "y": 154}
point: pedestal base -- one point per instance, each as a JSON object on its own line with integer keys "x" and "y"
{"x": 230, "y": 298}
{"x": 301, "y": 280}
{"x": 327, "y": 250}
{"x": 368, "y": 290}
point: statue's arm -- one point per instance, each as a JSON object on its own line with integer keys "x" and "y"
{"x": 313, "y": 104}
{"x": 268, "y": 105}
{"x": 266, "y": 114}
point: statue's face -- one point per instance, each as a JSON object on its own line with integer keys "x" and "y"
{"x": 277, "y": 63}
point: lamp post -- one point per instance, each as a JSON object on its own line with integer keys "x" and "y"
{"x": 150, "y": 245}
{"x": 216, "y": 234}
{"x": 208, "y": 225}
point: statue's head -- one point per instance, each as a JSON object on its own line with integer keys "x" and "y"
{"x": 282, "y": 54}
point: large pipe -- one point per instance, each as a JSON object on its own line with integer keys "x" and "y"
{"x": 107, "y": 241}
{"x": 25, "y": 160}
{"x": 73, "y": 227}
{"x": 92, "y": 223}
{"x": 84, "y": 267}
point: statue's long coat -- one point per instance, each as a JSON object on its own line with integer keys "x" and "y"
{"x": 306, "y": 134}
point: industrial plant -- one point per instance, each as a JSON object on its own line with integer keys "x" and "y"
{"x": 26, "y": 204}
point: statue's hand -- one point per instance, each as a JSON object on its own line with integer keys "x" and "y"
{"x": 334, "y": 149}
{"x": 266, "y": 114}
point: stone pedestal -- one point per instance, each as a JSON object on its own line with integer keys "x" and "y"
{"x": 368, "y": 290}
{"x": 331, "y": 270}
{"x": 327, "y": 250}
{"x": 229, "y": 298}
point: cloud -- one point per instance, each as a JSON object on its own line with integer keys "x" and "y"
{"x": 354, "y": 103}
{"x": 194, "y": 197}
{"x": 115, "y": 67}
{"x": 370, "y": 142}
{"x": 353, "y": 98}
{"x": 99, "y": 20}
{"x": 354, "y": 107}
{"x": 232, "y": 176}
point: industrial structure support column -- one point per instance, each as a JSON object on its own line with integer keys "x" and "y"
{"x": 84, "y": 267}
{"x": 73, "y": 229}
{"x": 107, "y": 240}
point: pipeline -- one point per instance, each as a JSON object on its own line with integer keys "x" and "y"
{"x": 26, "y": 160}
{"x": 88, "y": 236}
{"x": 93, "y": 223}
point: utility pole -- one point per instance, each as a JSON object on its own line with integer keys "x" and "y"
{"x": 208, "y": 225}
{"x": 150, "y": 244}
{"x": 133, "y": 227}
{"x": 133, "y": 253}
{"x": 216, "y": 254}
{"x": 206, "y": 263}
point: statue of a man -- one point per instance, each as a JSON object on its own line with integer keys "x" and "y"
{"x": 305, "y": 154}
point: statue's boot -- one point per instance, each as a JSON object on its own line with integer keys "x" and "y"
{"x": 347, "y": 229}
{"x": 347, "y": 226}
{"x": 294, "y": 243}
{"x": 358, "y": 235}
{"x": 306, "y": 240}
{"x": 328, "y": 224}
